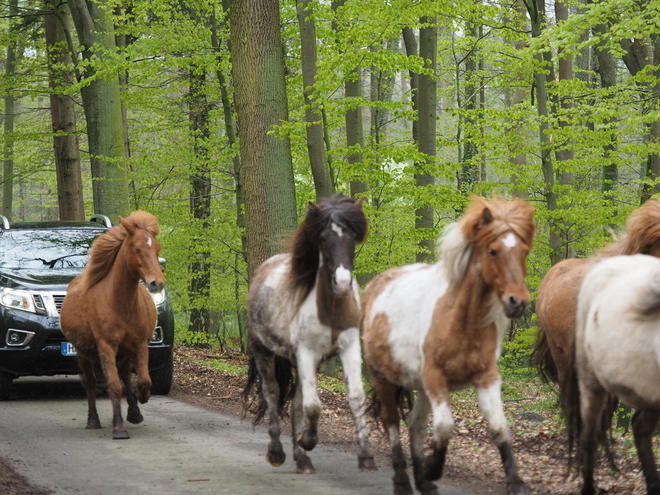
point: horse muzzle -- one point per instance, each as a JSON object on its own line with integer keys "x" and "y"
{"x": 342, "y": 282}
{"x": 155, "y": 286}
{"x": 514, "y": 307}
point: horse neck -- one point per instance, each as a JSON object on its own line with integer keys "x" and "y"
{"x": 471, "y": 303}
{"x": 124, "y": 283}
{"x": 339, "y": 313}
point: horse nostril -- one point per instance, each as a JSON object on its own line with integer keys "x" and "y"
{"x": 514, "y": 301}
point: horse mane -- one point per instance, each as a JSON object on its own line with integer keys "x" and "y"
{"x": 642, "y": 232}
{"x": 105, "y": 247}
{"x": 482, "y": 223}
{"x": 305, "y": 257}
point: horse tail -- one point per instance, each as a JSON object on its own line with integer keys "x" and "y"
{"x": 402, "y": 397}
{"x": 541, "y": 358}
{"x": 285, "y": 380}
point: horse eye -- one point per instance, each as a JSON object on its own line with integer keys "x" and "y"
{"x": 493, "y": 252}
{"x": 138, "y": 250}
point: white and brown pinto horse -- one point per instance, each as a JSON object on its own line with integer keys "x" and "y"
{"x": 302, "y": 307}
{"x": 556, "y": 307}
{"x": 617, "y": 351}
{"x": 438, "y": 328}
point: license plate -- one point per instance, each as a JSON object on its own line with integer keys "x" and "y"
{"x": 68, "y": 349}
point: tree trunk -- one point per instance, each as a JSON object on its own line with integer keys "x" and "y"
{"x": 424, "y": 102}
{"x": 536, "y": 10}
{"x": 323, "y": 183}
{"x": 353, "y": 119}
{"x": 470, "y": 172}
{"x": 261, "y": 103}
{"x": 63, "y": 117}
{"x": 200, "y": 204}
{"x": 102, "y": 105}
{"x": 10, "y": 103}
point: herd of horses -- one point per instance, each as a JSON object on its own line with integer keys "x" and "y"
{"x": 427, "y": 328}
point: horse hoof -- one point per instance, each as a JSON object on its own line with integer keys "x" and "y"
{"x": 276, "y": 459}
{"x": 94, "y": 424}
{"x": 428, "y": 489}
{"x": 308, "y": 442}
{"x": 304, "y": 466}
{"x": 518, "y": 489}
{"x": 403, "y": 489}
{"x": 366, "y": 464}
{"x": 120, "y": 435}
{"x": 143, "y": 395}
{"x": 134, "y": 418}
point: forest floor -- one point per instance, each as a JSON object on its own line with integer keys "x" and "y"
{"x": 213, "y": 379}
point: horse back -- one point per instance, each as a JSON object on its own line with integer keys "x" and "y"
{"x": 398, "y": 311}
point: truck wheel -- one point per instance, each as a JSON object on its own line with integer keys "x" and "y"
{"x": 161, "y": 379}
{"x": 5, "y": 385}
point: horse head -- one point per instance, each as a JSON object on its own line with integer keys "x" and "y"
{"x": 326, "y": 241}
{"x": 143, "y": 248}
{"x": 501, "y": 234}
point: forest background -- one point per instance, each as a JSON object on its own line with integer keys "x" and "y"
{"x": 225, "y": 118}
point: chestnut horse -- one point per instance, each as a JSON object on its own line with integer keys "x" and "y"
{"x": 109, "y": 316}
{"x": 302, "y": 307}
{"x": 438, "y": 328}
{"x": 616, "y": 352}
{"x": 557, "y": 302}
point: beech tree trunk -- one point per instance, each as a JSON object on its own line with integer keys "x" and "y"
{"x": 261, "y": 103}
{"x": 63, "y": 116}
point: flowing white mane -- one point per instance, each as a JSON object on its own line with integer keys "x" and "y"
{"x": 455, "y": 252}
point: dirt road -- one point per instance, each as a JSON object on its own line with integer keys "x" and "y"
{"x": 179, "y": 449}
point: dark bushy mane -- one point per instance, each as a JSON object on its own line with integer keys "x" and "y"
{"x": 345, "y": 212}
{"x": 105, "y": 247}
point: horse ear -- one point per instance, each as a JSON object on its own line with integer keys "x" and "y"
{"x": 486, "y": 216}
{"x": 313, "y": 207}
{"x": 359, "y": 202}
{"x": 127, "y": 225}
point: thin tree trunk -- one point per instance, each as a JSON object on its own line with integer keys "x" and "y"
{"x": 323, "y": 183}
{"x": 470, "y": 172}
{"x": 353, "y": 119}
{"x": 63, "y": 117}
{"x": 536, "y": 10}
{"x": 102, "y": 105}
{"x": 10, "y": 104}
{"x": 200, "y": 204}
{"x": 261, "y": 103}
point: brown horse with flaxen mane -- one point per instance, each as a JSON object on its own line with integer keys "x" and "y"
{"x": 556, "y": 307}
{"x": 109, "y": 316}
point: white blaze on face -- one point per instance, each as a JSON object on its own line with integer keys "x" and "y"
{"x": 149, "y": 240}
{"x": 510, "y": 240}
{"x": 343, "y": 278}
{"x": 337, "y": 229}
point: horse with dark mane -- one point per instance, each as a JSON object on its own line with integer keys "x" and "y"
{"x": 616, "y": 353}
{"x": 109, "y": 316}
{"x": 304, "y": 306}
{"x": 556, "y": 307}
{"x": 436, "y": 328}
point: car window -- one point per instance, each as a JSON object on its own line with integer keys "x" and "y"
{"x": 45, "y": 249}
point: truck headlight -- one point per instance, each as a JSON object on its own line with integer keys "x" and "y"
{"x": 158, "y": 297}
{"x": 17, "y": 299}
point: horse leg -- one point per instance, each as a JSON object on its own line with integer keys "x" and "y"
{"x": 592, "y": 402}
{"x": 644, "y": 423}
{"x": 437, "y": 391}
{"x": 89, "y": 382}
{"x": 490, "y": 403}
{"x": 142, "y": 370}
{"x": 264, "y": 360}
{"x": 125, "y": 372}
{"x": 303, "y": 463}
{"x": 389, "y": 418}
{"x": 307, "y": 361}
{"x": 108, "y": 357}
{"x": 349, "y": 345}
{"x": 417, "y": 430}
